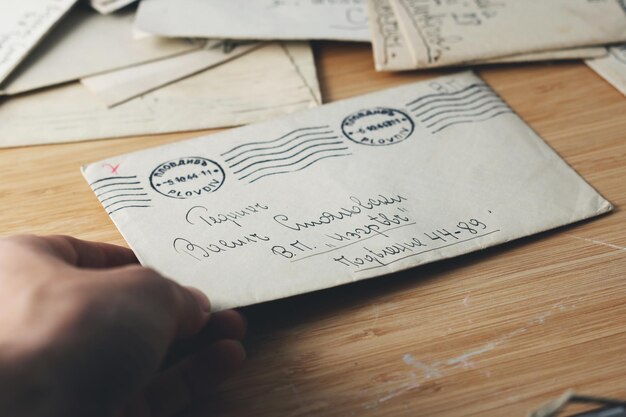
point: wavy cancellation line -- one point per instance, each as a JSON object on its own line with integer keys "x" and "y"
{"x": 284, "y": 158}
{"x": 274, "y": 168}
{"x": 117, "y": 195}
{"x": 474, "y": 120}
{"x": 446, "y": 96}
{"x": 301, "y": 168}
{"x": 470, "y": 111}
{"x": 266, "y": 142}
{"x": 281, "y": 152}
{"x": 435, "y": 110}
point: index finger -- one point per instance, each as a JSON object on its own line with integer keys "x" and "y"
{"x": 82, "y": 253}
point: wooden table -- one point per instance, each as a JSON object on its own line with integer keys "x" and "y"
{"x": 495, "y": 333}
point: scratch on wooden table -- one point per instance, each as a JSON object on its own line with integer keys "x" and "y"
{"x": 597, "y": 242}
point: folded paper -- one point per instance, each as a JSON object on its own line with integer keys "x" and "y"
{"x": 612, "y": 67}
{"x": 259, "y": 19}
{"x": 351, "y": 190}
{"x": 283, "y": 81}
{"x": 441, "y": 33}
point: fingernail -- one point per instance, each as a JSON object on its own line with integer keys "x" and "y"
{"x": 201, "y": 298}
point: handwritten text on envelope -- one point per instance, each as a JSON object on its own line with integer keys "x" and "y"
{"x": 341, "y": 193}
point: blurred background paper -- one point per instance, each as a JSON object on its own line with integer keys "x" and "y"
{"x": 270, "y": 81}
{"x": 442, "y": 33}
{"x": 109, "y": 6}
{"x": 88, "y": 43}
{"x": 612, "y": 67}
{"x": 119, "y": 86}
{"x": 23, "y": 23}
{"x": 392, "y": 52}
{"x": 259, "y": 19}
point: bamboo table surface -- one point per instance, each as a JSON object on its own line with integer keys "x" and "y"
{"x": 493, "y": 333}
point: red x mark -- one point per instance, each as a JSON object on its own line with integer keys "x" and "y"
{"x": 113, "y": 168}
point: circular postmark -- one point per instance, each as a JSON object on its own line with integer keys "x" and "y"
{"x": 378, "y": 126}
{"x": 187, "y": 177}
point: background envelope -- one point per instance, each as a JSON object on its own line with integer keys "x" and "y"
{"x": 612, "y": 67}
{"x": 283, "y": 81}
{"x": 23, "y": 24}
{"x": 88, "y": 43}
{"x": 109, "y": 6}
{"x": 118, "y": 86}
{"x": 259, "y": 19}
{"x": 441, "y": 34}
{"x": 348, "y": 191}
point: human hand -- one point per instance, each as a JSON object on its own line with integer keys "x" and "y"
{"x": 85, "y": 331}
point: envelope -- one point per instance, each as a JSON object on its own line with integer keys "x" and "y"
{"x": 87, "y": 43}
{"x": 283, "y": 81}
{"x": 392, "y": 52}
{"x": 109, "y": 6}
{"x": 116, "y": 87}
{"x": 23, "y": 24}
{"x": 348, "y": 191}
{"x": 259, "y": 19}
{"x": 612, "y": 67}
{"x": 449, "y": 33}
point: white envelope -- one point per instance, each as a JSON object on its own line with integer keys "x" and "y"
{"x": 23, "y": 24}
{"x": 87, "y": 43}
{"x": 392, "y": 52}
{"x": 109, "y": 6}
{"x": 449, "y": 33}
{"x": 612, "y": 67}
{"x": 116, "y": 87}
{"x": 351, "y": 190}
{"x": 258, "y": 19}
{"x": 283, "y": 81}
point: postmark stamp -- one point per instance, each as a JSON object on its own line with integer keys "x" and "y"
{"x": 187, "y": 177}
{"x": 378, "y": 126}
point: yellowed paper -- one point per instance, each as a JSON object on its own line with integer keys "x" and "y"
{"x": 612, "y": 67}
{"x": 228, "y": 95}
{"x": 23, "y": 24}
{"x": 392, "y": 51}
{"x": 441, "y": 33}
{"x": 258, "y": 19}
{"x": 87, "y": 43}
{"x": 109, "y": 6}
{"x": 119, "y": 86}
{"x": 351, "y": 190}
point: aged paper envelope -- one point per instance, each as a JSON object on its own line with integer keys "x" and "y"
{"x": 392, "y": 53}
{"x": 449, "y": 32}
{"x": 348, "y": 191}
{"x": 259, "y": 19}
{"x": 612, "y": 67}
{"x": 116, "y": 87}
{"x": 109, "y": 6}
{"x": 23, "y": 24}
{"x": 283, "y": 81}
{"x": 87, "y": 43}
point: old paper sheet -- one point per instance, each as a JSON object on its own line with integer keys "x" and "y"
{"x": 23, "y": 24}
{"x": 612, "y": 67}
{"x": 392, "y": 52}
{"x": 109, "y": 6}
{"x": 88, "y": 43}
{"x": 351, "y": 190}
{"x": 227, "y": 95}
{"x": 448, "y": 32}
{"x": 119, "y": 86}
{"x": 259, "y": 19}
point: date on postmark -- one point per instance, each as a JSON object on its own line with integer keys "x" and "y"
{"x": 187, "y": 177}
{"x": 378, "y": 126}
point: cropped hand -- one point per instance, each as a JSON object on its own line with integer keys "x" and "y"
{"x": 86, "y": 331}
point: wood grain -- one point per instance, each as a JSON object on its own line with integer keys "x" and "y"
{"x": 489, "y": 334}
